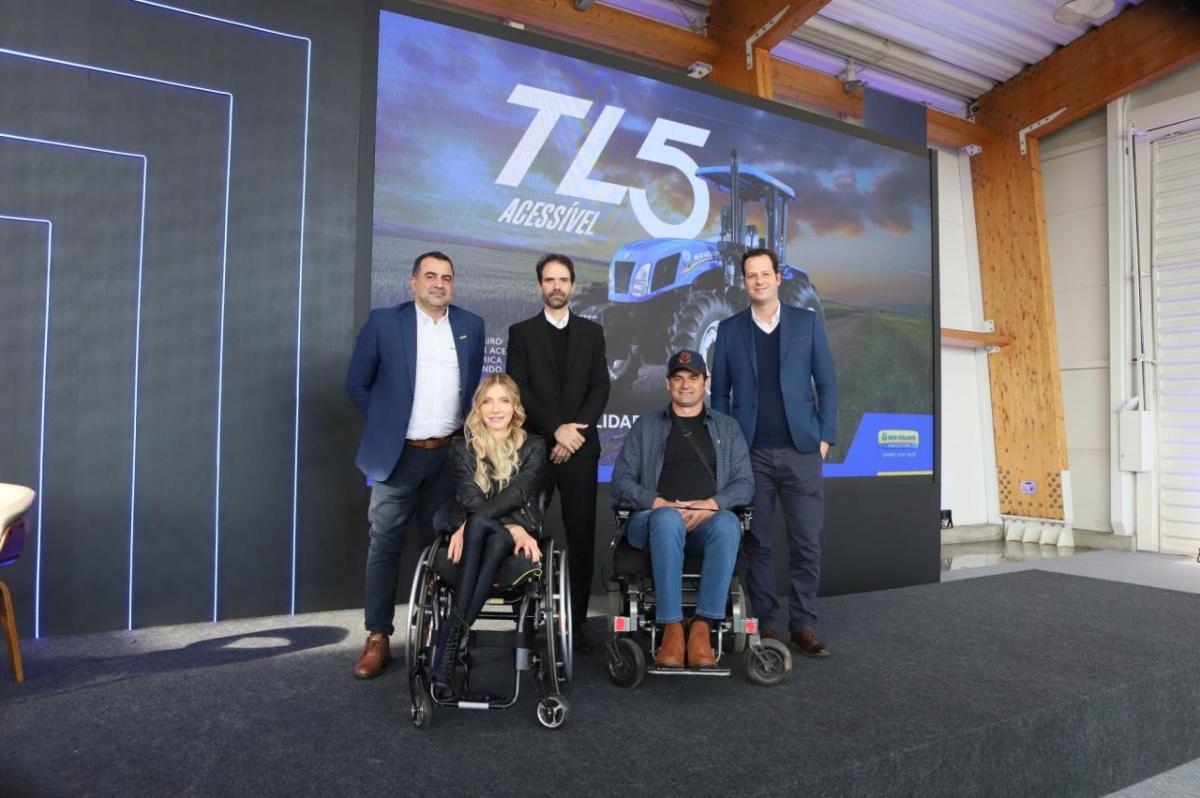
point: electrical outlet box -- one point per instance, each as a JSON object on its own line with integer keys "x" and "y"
{"x": 1138, "y": 434}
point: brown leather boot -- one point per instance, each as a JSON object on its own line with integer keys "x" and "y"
{"x": 375, "y": 657}
{"x": 806, "y": 640}
{"x": 670, "y": 653}
{"x": 699, "y": 645}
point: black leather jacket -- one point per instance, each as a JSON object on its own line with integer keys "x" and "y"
{"x": 517, "y": 503}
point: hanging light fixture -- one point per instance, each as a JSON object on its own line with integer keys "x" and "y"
{"x": 1082, "y": 12}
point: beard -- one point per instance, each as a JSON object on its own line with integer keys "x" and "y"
{"x": 556, "y": 301}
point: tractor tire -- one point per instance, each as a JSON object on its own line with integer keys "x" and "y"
{"x": 695, "y": 324}
{"x": 624, "y": 360}
{"x": 799, "y": 292}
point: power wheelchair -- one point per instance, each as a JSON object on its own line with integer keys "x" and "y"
{"x": 632, "y": 617}
{"x": 536, "y": 598}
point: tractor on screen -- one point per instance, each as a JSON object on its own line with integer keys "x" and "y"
{"x": 689, "y": 286}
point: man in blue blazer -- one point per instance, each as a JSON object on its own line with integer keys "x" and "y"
{"x": 773, "y": 371}
{"x": 413, "y": 375}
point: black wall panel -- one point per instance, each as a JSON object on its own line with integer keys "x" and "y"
{"x": 249, "y": 134}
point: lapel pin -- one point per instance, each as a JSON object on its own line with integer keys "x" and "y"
{"x": 462, "y": 337}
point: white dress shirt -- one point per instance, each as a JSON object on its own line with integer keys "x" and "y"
{"x": 559, "y": 323}
{"x": 435, "y": 407}
{"x": 770, "y": 324}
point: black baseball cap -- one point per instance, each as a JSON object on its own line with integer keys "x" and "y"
{"x": 689, "y": 360}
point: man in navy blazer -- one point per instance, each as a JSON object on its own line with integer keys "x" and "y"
{"x": 773, "y": 371}
{"x": 413, "y": 375}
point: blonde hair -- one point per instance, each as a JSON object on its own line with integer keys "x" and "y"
{"x": 495, "y": 459}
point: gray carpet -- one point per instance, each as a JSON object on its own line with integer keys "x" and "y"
{"x": 1029, "y": 683}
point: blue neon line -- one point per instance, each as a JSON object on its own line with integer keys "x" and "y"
{"x": 222, "y": 20}
{"x": 299, "y": 322}
{"x": 137, "y": 353}
{"x": 37, "y": 568}
{"x": 137, "y": 348}
{"x": 221, "y": 370}
{"x": 224, "y": 267}
{"x": 107, "y": 71}
{"x": 300, "y": 288}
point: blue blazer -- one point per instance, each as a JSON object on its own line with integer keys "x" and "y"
{"x": 383, "y": 375}
{"x": 805, "y": 363}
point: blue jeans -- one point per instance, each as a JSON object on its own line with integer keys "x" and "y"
{"x": 717, "y": 538}
{"x": 419, "y": 485}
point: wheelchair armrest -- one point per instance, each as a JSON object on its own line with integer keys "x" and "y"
{"x": 745, "y": 514}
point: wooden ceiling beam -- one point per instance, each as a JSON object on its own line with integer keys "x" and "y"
{"x": 816, "y": 89}
{"x": 732, "y": 22}
{"x": 604, "y": 26}
{"x": 655, "y": 41}
{"x": 1140, "y": 45}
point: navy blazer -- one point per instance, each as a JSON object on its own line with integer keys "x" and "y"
{"x": 805, "y": 362}
{"x": 383, "y": 375}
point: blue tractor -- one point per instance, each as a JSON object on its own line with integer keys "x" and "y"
{"x": 692, "y": 285}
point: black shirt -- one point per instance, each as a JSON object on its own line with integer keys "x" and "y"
{"x": 558, "y": 340}
{"x": 684, "y": 477}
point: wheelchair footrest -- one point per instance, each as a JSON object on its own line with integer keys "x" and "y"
{"x": 491, "y": 638}
{"x": 652, "y": 670}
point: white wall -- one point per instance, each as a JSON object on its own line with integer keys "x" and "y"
{"x": 968, "y": 444}
{"x": 1074, "y": 183}
{"x": 1076, "y": 187}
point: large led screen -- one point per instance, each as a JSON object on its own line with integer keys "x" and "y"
{"x": 496, "y": 152}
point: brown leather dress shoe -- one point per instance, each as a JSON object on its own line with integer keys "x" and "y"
{"x": 769, "y": 634}
{"x": 670, "y": 653}
{"x": 699, "y": 645}
{"x": 375, "y": 657}
{"x": 806, "y": 640}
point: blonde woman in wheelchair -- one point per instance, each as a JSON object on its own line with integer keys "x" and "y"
{"x": 497, "y": 469}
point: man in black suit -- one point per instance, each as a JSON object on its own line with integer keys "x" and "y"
{"x": 558, "y": 360}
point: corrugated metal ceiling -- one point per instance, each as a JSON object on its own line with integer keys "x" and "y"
{"x": 945, "y": 53}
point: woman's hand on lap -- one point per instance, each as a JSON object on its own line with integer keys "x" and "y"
{"x": 524, "y": 542}
{"x": 456, "y": 545}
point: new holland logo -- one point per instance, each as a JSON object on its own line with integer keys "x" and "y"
{"x": 899, "y": 438}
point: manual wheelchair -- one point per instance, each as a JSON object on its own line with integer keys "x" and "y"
{"x": 535, "y": 597}
{"x": 632, "y": 617}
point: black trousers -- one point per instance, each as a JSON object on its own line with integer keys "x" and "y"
{"x": 486, "y": 544}
{"x": 575, "y": 481}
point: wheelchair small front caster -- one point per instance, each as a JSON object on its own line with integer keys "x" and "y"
{"x": 769, "y": 663}
{"x": 421, "y": 704}
{"x": 552, "y": 711}
{"x": 626, "y": 663}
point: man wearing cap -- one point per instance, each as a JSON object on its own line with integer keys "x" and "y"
{"x": 683, "y": 468}
{"x": 772, "y": 368}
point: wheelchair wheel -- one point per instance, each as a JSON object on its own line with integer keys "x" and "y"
{"x": 418, "y": 615}
{"x": 550, "y": 671}
{"x": 626, "y": 663}
{"x": 421, "y": 704}
{"x": 552, "y": 710}
{"x": 564, "y": 623}
{"x": 769, "y": 664}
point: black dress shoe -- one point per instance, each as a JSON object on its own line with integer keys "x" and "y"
{"x": 808, "y": 644}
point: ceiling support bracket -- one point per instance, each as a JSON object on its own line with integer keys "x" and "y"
{"x": 1045, "y": 120}
{"x": 761, "y": 32}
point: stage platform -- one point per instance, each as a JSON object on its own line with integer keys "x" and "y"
{"x": 1029, "y": 683}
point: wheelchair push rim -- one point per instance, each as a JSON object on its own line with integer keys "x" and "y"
{"x": 418, "y": 621}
